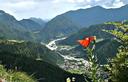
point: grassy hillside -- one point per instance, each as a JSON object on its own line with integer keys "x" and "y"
{"x": 32, "y": 50}
{"x": 14, "y": 76}
{"x": 22, "y": 56}
{"x": 106, "y": 50}
{"x": 42, "y": 71}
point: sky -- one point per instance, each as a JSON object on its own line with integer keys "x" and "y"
{"x": 47, "y": 9}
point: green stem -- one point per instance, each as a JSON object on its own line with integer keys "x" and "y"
{"x": 94, "y": 66}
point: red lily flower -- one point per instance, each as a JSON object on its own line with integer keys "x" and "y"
{"x": 85, "y": 42}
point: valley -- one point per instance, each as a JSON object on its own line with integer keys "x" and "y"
{"x": 49, "y": 51}
{"x": 70, "y": 62}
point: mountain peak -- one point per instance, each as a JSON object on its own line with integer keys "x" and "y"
{"x": 1, "y": 11}
{"x": 26, "y": 20}
{"x": 39, "y": 21}
{"x": 98, "y": 7}
{"x": 6, "y": 16}
{"x": 125, "y": 6}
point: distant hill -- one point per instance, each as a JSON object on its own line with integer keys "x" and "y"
{"x": 30, "y": 25}
{"x": 26, "y": 29}
{"x": 70, "y": 22}
{"x": 11, "y": 29}
{"x": 97, "y": 15}
{"x": 58, "y": 27}
{"x": 39, "y": 21}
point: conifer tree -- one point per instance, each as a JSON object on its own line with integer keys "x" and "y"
{"x": 118, "y": 66}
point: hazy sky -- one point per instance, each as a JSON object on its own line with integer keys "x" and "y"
{"x": 47, "y": 9}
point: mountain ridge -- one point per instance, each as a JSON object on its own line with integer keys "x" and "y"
{"x": 83, "y": 18}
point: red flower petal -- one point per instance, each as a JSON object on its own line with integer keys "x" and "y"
{"x": 87, "y": 41}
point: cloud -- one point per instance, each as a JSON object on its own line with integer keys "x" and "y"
{"x": 75, "y": 1}
{"x": 125, "y": 1}
{"x": 104, "y": 3}
{"x": 17, "y": 7}
{"x": 56, "y": 1}
{"x": 78, "y": 1}
{"x": 118, "y": 3}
